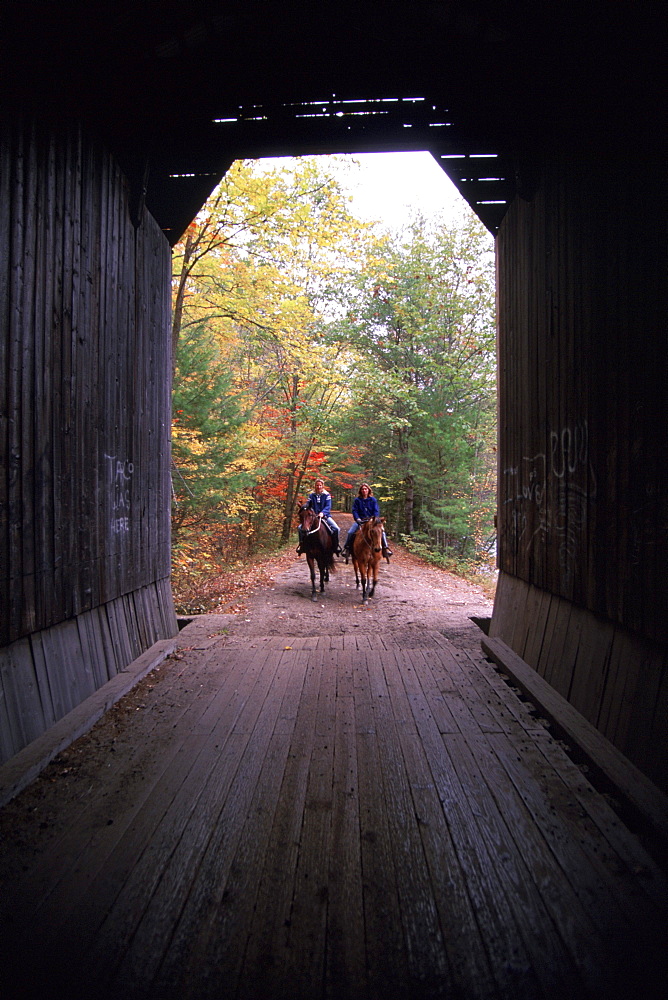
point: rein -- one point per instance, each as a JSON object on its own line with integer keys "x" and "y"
{"x": 317, "y": 526}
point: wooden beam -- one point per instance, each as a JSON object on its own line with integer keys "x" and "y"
{"x": 17, "y": 773}
{"x": 639, "y": 795}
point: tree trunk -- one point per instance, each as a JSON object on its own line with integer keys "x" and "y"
{"x": 290, "y": 494}
{"x": 293, "y": 484}
{"x": 409, "y": 479}
{"x": 179, "y": 299}
{"x": 295, "y": 480}
{"x": 409, "y": 503}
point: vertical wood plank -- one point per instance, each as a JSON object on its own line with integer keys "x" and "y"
{"x": 7, "y": 161}
{"x": 265, "y": 958}
{"x": 385, "y": 945}
{"x": 425, "y": 945}
{"x": 345, "y": 963}
{"x": 20, "y": 691}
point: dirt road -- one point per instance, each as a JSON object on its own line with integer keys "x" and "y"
{"x": 411, "y": 596}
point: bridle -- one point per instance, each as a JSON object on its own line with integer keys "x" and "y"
{"x": 318, "y": 521}
{"x": 364, "y": 538}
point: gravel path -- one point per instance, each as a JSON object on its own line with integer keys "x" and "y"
{"x": 411, "y": 596}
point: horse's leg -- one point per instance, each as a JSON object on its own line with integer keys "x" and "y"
{"x": 323, "y": 574}
{"x": 311, "y": 567}
{"x": 355, "y": 567}
{"x": 373, "y": 568}
{"x": 362, "y": 569}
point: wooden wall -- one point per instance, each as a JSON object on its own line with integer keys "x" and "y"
{"x": 84, "y": 427}
{"x": 583, "y": 436}
{"x": 615, "y": 678}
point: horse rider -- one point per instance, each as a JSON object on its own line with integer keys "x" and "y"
{"x": 365, "y": 506}
{"x": 321, "y": 502}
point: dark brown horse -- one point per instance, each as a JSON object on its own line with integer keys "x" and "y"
{"x": 367, "y": 550}
{"x": 318, "y": 545}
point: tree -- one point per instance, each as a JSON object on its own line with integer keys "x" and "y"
{"x": 422, "y": 316}
{"x": 207, "y": 418}
{"x": 347, "y": 353}
{"x": 260, "y": 268}
{"x": 260, "y": 223}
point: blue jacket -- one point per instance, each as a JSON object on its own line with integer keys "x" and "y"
{"x": 321, "y": 503}
{"x": 364, "y": 509}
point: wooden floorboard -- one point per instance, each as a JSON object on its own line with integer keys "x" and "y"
{"x": 384, "y": 940}
{"x": 426, "y": 953}
{"x": 474, "y": 913}
{"x": 328, "y": 818}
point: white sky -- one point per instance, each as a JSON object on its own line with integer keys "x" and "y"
{"x": 387, "y": 187}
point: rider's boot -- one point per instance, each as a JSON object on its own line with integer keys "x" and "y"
{"x": 338, "y": 551}
{"x": 299, "y": 548}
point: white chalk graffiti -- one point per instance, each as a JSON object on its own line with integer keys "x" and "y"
{"x": 566, "y": 475}
{"x": 569, "y": 449}
{"x": 119, "y": 476}
{"x": 526, "y": 491}
{"x": 571, "y": 519}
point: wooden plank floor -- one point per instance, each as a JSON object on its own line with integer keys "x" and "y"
{"x": 327, "y": 817}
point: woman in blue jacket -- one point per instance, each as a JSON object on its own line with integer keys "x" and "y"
{"x": 321, "y": 502}
{"x": 365, "y": 506}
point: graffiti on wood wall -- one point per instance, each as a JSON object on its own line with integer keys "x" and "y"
{"x": 549, "y": 493}
{"x": 119, "y": 477}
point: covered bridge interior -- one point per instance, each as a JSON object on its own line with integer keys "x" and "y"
{"x": 118, "y": 120}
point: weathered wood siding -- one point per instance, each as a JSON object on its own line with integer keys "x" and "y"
{"x": 84, "y": 424}
{"x": 615, "y": 678}
{"x": 583, "y": 441}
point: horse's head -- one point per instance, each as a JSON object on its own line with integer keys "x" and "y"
{"x": 307, "y": 517}
{"x": 373, "y": 530}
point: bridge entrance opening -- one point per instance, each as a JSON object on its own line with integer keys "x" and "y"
{"x": 344, "y": 309}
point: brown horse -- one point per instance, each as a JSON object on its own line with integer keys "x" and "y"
{"x": 367, "y": 549}
{"x": 318, "y": 544}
